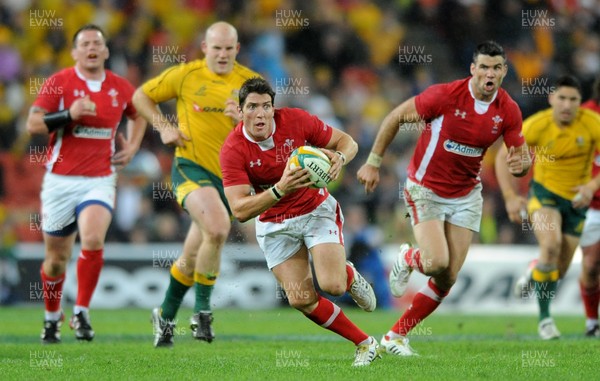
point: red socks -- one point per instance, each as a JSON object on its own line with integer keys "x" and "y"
{"x": 350, "y": 273}
{"x": 52, "y": 290}
{"x": 331, "y": 317}
{"x": 89, "y": 265}
{"x": 424, "y": 303}
{"x": 591, "y": 299}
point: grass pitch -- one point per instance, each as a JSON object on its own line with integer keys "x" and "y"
{"x": 283, "y": 345}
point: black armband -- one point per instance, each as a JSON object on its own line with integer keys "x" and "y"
{"x": 55, "y": 120}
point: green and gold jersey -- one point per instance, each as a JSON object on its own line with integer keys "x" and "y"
{"x": 201, "y": 96}
{"x": 563, "y": 155}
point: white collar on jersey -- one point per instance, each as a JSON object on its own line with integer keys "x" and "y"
{"x": 481, "y": 107}
{"x": 264, "y": 145}
{"x": 93, "y": 85}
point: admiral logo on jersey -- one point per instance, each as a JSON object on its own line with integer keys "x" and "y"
{"x": 461, "y": 149}
{"x": 92, "y": 132}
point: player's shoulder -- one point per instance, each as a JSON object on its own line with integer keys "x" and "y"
{"x": 116, "y": 78}
{"x": 506, "y": 101}
{"x": 235, "y": 136}
{"x": 66, "y": 74}
{"x": 244, "y": 72}
{"x": 589, "y": 115}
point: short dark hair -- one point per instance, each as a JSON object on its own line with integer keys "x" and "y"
{"x": 489, "y": 48}
{"x": 255, "y": 85}
{"x": 568, "y": 81}
{"x": 88, "y": 27}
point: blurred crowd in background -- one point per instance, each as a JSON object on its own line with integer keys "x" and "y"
{"x": 347, "y": 61}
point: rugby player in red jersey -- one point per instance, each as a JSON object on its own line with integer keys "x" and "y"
{"x": 442, "y": 193}
{"x": 81, "y": 108}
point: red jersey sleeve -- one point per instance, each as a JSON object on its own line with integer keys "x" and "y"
{"x": 430, "y": 103}
{"x": 317, "y": 132}
{"x": 513, "y": 134}
{"x": 130, "y": 110}
{"x": 232, "y": 163}
{"x": 51, "y": 93}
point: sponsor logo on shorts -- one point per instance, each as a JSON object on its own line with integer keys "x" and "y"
{"x": 461, "y": 149}
{"x": 92, "y": 132}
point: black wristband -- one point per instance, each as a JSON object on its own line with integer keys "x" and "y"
{"x": 276, "y": 192}
{"x": 55, "y": 120}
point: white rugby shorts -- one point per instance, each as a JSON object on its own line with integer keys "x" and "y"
{"x": 281, "y": 240}
{"x": 64, "y": 197}
{"x": 424, "y": 205}
{"x": 591, "y": 228}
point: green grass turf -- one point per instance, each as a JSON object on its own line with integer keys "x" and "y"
{"x": 283, "y": 345}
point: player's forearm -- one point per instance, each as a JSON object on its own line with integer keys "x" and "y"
{"x": 387, "y": 132}
{"x": 248, "y": 207}
{"x": 35, "y": 123}
{"x": 149, "y": 110}
{"x": 136, "y": 129}
{"x": 345, "y": 146}
{"x": 505, "y": 179}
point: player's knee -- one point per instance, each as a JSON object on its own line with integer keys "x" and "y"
{"x": 299, "y": 303}
{"x": 93, "y": 241}
{"x": 56, "y": 263}
{"x": 333, "y": 288}
{"x": 217, "y": 235}
{"x": 436, "y": 266}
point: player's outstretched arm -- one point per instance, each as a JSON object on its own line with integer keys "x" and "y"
{"x": 510, "y": 164}
{"x": 368, "y": 174}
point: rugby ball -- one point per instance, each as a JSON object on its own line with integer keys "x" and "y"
{"x": 315, "y": 161}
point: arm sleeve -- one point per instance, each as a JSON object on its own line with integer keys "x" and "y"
{"x": 317, "y": 132}
{"x": 514, "y": 130}
{"x": 431, "y": 102}
{"x": 232, "y": 167}
{"x": 165, "y": 86}
{"x": 130, "y": 110}
{"x": 50, "y": 94}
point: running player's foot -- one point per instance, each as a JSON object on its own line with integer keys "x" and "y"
{"x": 593, "y": 331}
{"x": 163, "y": 330}
{"x": 51, "y": 331}
{"x": 547, "y": 329}
{"x": 81, "y": 324}
{"x": 400, "y": 273}
{"x": 200, "y": 323}
{"x": 398, "y": 346}
{"x": 361, "y": 291}
{"x": 524, "y": 286}
{"x": 366, "y": 353}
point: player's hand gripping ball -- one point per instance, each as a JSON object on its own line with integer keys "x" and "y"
{"x": 315, "y": 161}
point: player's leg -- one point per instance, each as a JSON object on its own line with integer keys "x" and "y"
{"x": 426, "y": 301}
{"x": 59, "y": 198}
{"x": 181, "y": 274}
{"x": 547, "y": 224}
{"x": 590, "y": 287}
{"x": 57, "y": 254}
{"x": 93, "y": 221}
{"x": 589, "y": 282}
{"x": 212, "y": 219}
{"x": 432, "y": 256}
{"x": 294, "y": 275}
{"x": 337, "y": 276}
{"x": 181, "y": 278}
